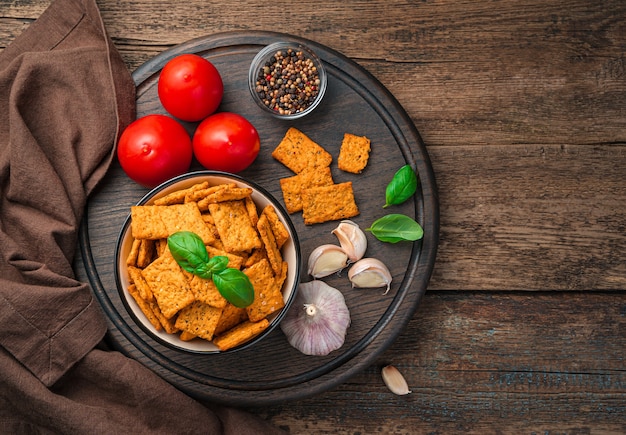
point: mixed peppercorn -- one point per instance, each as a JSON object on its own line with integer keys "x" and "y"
{"x": 288, "y": 82}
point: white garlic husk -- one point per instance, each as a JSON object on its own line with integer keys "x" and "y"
{"x": 318, "y": 320}
{"x": 370, "y": 273}
{"x": 352, "y": 239}
{"x": 326, "y": 260}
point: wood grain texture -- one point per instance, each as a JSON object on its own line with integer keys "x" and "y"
{"x": 522, "y": 106}
{"x": 479, "y": 363}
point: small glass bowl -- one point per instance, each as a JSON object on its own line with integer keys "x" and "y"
{"x": 262, "y": 60}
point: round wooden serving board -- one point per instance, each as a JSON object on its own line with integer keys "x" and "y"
{"x": 273, "y": 371}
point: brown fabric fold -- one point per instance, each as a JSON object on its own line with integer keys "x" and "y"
{"x": 65, "y": 95}
{"x": 60, "y": 85}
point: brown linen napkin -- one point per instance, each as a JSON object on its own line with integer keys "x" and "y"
{"x": 65, "y": 95}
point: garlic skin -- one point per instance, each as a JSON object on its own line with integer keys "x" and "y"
{"x": 318, "y": 319}
{"x": 352, "y": 239}
{"x": 394, "y": 380}
{"x": 370, "y": 273}
{"x": 326, "y": 260}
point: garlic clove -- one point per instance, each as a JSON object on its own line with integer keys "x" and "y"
{"x": 370, "y": 273}
{"x": 352, "y": 239}
{"x": 395, "y": 381}
{"x": 326, "y": 260}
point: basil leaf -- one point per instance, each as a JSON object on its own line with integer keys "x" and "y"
{"x": 394, "y": 228}
{"x": 235, "y": 286}
{"x": 191, "y": 254}
{"x": 401, "y": 187}
{"x": 214, "y": 265}
{"x": 217, "y": 264}
{"x": 188, "y": 250}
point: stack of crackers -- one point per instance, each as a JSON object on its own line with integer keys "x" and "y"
{"x": 312, "y": 190}
{"x": 227, "y": 220}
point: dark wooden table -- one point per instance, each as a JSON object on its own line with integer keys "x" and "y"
{"x": 522, "y": 106}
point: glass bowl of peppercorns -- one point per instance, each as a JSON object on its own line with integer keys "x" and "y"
{"x": 287, "y": 80}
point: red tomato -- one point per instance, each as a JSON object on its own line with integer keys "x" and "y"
{"x": 154, "y": 149}
{"x": 226, "y": 142}
{"x": 190, "y": 87}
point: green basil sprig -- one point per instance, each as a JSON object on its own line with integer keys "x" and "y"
{"x": 401, "y": 187}
{"x": 394, "y": 228}
{"x": 191, "y": 254}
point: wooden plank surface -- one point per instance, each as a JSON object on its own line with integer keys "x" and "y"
{"x": 522, "y": 105}
{"x": 484, "y": 363}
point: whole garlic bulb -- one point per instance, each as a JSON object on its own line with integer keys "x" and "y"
{"x": 317, "y": 322}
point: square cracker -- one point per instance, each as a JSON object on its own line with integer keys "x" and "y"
{"x": 328, "y": 203}
{"x": 231, "y": 317}
{"x": 131, "y": 259}
{"x": 234, "y": 226}
{"x": 278, "y": 228}
{"x": 354, "y": 153}
{"x": 240, "y": 334}
{"x": 145, "y": 307}
{"x": 199, "y": 319}
{"x": 199, "y": 193}
{"x": 179, "y": 196}
{"x": 147, "y": 253}
{"x": 136, "y": 277}
{"x": 292, "y": 187}
{"x": 167, "y": 324}
{"x": 168, "y": 284}
{"x": 230, "y": 193}
{"x": 269, "y": 241}
{"x": 161, "y": 221}
{"x": 204, "y": 290}
{"x": 297, "y": 151}
{"x": 268, "y": 298}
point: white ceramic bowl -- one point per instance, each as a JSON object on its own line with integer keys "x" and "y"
{"x": 290, "y": 253}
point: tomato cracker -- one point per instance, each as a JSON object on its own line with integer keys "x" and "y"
{"x": 136, "y": 277}
{"x": 147, "y": 253}
{"x": 161, "y": 221}
{"x": 269, "y": 241}
{"x": 240, "y": 334}
{"x": 268, "y": 299}
{"x": 198, "y": 194}
{"x": 230, "y": 193}
{"x": 231, "y": 317}
{"x": 180, "y": 196}
{"x": 131, "y": 258}
{"x": 354, "y": 153}
{"x": 144, "y": 306}
{"x": 235, "y": 261}
{"x": 292, "y": 187}
{"x": 256, "y": 256}
{"x": 168, "y": 284}
{"x": 234, "y": 226}
{"x": 328, "y": 203}
{"x": 199, "y": 319}
{"x": 297, "y": 151}
{"x": 278, "y": 228}
{"x": 204, "y": 290}
{"x": 186, "y": 336}
{"x": 252, "y": 210}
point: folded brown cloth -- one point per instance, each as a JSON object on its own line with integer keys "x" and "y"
{"x": 65, "y": 95}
